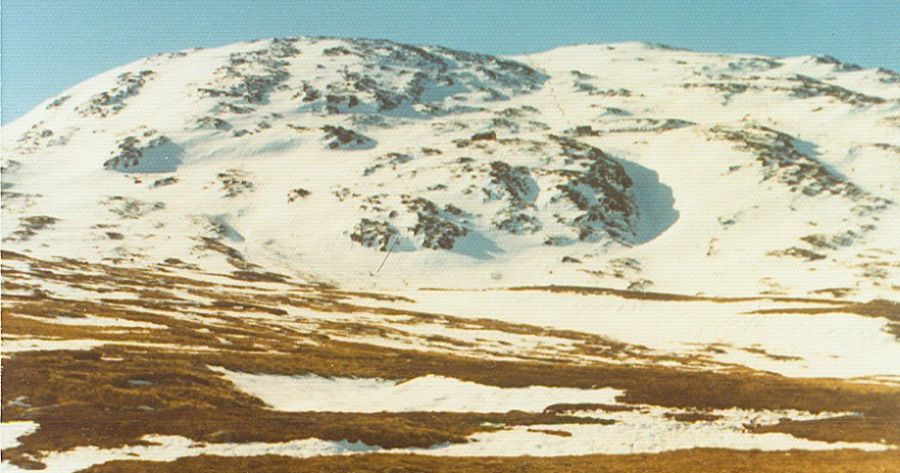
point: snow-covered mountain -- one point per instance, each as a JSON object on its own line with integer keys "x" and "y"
{"x": 599, "y": 255}
{"x": 377, "y": 164}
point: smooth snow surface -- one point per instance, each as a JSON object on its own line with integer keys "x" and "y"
{"x": 646, "y": 430}
{"x": 11, "y": 431}
{"x": 427, "y": 393}
{"x": 91, "y": 321}
{"x": 827, "y": 345}
{"x": 173, "y": 447}
{"x": 623, "y": 439}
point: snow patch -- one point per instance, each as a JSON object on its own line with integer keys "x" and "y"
{"x": 10, "y": 432}
{"x": 429, "y": 393}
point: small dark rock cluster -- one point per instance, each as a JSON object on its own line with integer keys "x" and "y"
{"x": 341, "y": 138}
{"x": 130, "y": 151}
{"x": 235, "y": 182}
{"x": 298, "y": 193}
{"x": 29, "y": 226}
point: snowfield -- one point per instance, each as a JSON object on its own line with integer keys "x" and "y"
{"x": 428, "y": 393}
{"x": 835, "y": 344}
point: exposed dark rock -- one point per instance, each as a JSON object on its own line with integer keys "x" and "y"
{"x": 486, "y": 136}
{"x": 384, "y": 77}
{"x": 126, "y": 207}
{"x": 112, "y": 101}
{"x": 516, "y": 222}
{"x": 391, "y": 159}
{"x": 838, "y": 66}
{"x": 599, "y": 189}
{"x": 298, "y": 193}
{"x": 782, "y": 160}
{"x": 342, "y": 138}
{"x": 29, "y": 226}
{"x": 809, "y": 87}
{"x": 58, "y": 101}
{"x": 38, "y": 137}
{"x": 213, "y": 123}
{"x": 235, "y": 182}
{"x": 375, "y": 234}
{"x": 166, "y": 181}
{"x": 437, "y": 228}
{"x": 141, "y": 153}
{"x": 800, "y": 253}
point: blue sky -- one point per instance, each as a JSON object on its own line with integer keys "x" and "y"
{"x": 48, "y": 46}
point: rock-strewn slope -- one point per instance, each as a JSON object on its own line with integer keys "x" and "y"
{"x": 322, "y": 156}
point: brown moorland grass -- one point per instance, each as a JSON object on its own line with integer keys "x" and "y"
{"x": 681, "y": 461}
{"x": 690, "y": 417}
{"x": 250, "y": 300}
{"x": 563, "y": 408}
{"x": 79, "y": 398}
{"x": 877, "y": 430}
{"x": 83, "y": 398}
{"x": 664, "y": 296}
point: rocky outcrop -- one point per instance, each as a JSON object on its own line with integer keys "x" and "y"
{"x": 391, "y": 159}
{"x": 39, "y": 137}
{"x": 837, "y": 66}
{"x": 112, "y": 101}
{"x": 435, "y": 227}
{"x": 128, "y": 208}
{"x": 212, "y": 123}
{"x": 392, "y": 78}
{"x": 146, "y": 152}
{"x": 598, "y": 187}
{"x": 517, "y": 187}
{"x": 337, "y": 137}
{"x": 297, "y": 194}
{"x": 783, "y": 161}
{"x": 512, "y": 182}
{"x": 375, "y": 234}
{"x": 250, "y": 77}
{"x": 807, "y": 87}
{"x": 29, "y": 226}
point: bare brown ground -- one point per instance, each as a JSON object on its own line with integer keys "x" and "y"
{"x": 683, "y": 461}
